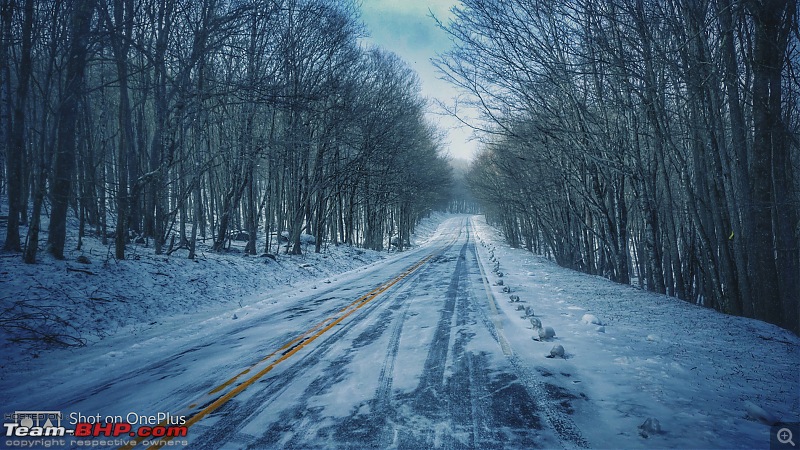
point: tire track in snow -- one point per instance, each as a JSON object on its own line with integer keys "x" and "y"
{"x": 462, "y": 400}
{"x": 358, "y": 429}
{"x": 239, "y": 413}
{"x": 448, "y": 409}
{"x": 430, "y": 397}
{"x": 374, "y": 428}
{"x": 549, "y": 398}
{"x": 383, "y": 394}
{"x": 236, "y": 415}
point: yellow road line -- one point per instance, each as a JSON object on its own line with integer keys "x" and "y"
{"x": 293, "y": 346}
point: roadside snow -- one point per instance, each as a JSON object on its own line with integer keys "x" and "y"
{"x": 653, "y": 371}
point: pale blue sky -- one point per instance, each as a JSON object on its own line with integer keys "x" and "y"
{"x": 406, "y": 28}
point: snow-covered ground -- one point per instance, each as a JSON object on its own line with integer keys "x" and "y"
{"x": 437, "y": 357}
{"x": 706, "y": 377}
{"x": 46, "y": 305}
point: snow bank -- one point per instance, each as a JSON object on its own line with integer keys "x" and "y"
{"x": 646, "y": 370}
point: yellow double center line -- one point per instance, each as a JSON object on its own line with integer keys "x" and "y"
{"x": 282, "y": 354}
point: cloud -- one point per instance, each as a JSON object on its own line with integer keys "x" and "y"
{"x": 417, "y": 7}
{"x": 406, "y": 28}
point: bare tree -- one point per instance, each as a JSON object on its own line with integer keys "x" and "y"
{"x": 64, "y": 166}
{"x": 16, "y": 146}
{"x": 667, "y": 132}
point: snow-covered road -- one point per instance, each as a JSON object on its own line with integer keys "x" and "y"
{"x": 404, "y": 353}
{"x": 417, "y": 366}
{"x": 420, "y": 350}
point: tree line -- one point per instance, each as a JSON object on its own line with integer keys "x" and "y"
{"x": 171, "y": 121}
{"x": 653, "y": 142}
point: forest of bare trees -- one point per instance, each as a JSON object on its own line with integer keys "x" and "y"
{"x": 173, "y": 121}
{"x": 653, "y": 142}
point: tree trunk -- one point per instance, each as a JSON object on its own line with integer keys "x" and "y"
{"x": 773, "y": 262}
{"x": 16, "y": 148}
{"x": 64, "y": 166}
{"x": 121, "y": 31}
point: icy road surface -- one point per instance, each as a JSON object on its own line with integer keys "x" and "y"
{"x": 426, "y": 349}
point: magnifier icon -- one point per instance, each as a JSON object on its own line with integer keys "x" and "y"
{"x": 785, "y": 436}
